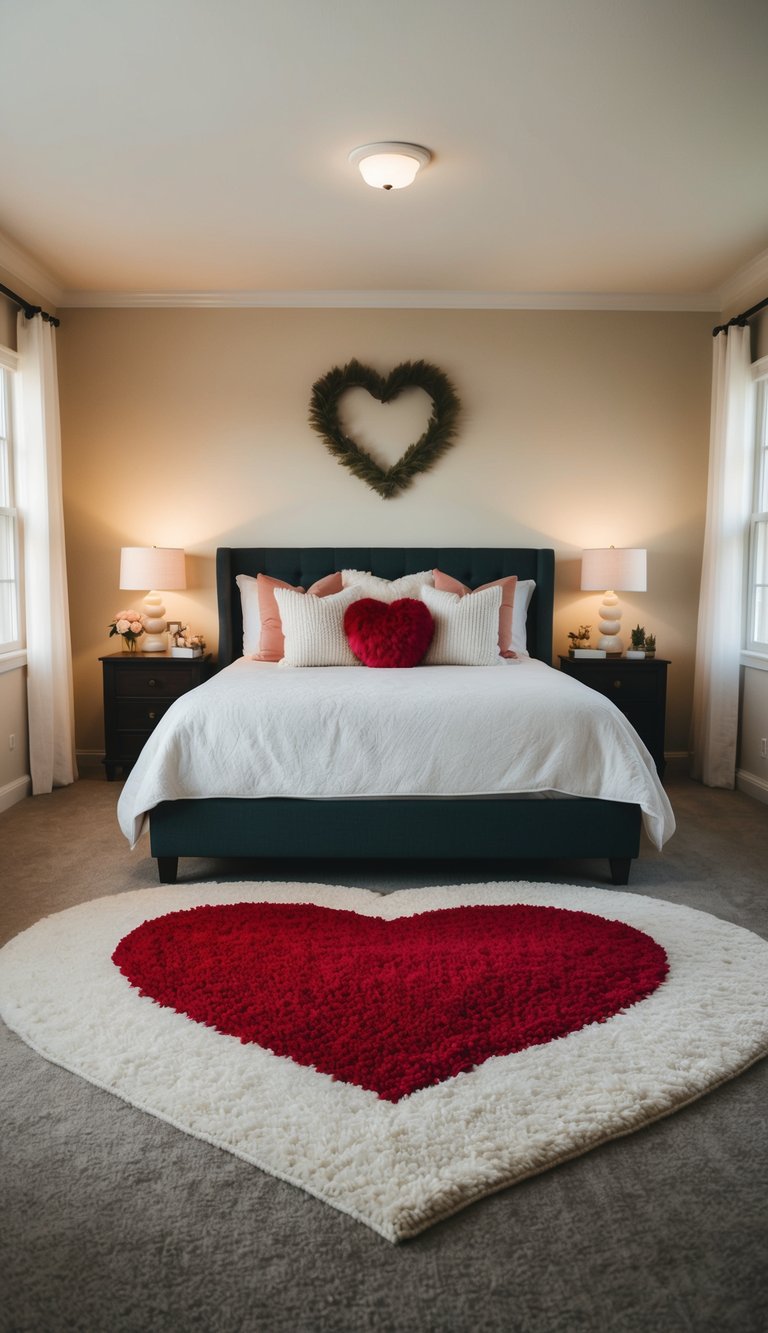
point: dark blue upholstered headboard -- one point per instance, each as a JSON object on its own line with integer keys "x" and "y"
{"x": 303, "y": 565}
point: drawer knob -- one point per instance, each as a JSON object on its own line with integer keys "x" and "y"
{"x": 617, "y": 684}
{"x": 152, "y": 681}
{"x": 152, "y": 716}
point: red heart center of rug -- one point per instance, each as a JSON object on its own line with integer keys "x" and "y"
{"x": 389, "y": 634}
{"x": 391, "y": 1006}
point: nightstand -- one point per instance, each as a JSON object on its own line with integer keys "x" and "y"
{"x": 138, "y": 689}
{"x": 638, "y": 688}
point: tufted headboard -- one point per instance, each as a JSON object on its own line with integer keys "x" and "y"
{"x": 303, "y": 565}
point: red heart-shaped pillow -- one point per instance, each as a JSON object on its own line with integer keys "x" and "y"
{"x": 388, "y": 634}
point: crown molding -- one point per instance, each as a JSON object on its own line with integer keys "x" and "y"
{"x": 394, "y": 300}
{"x": 746, "y": 287}
{"x": 23, "y": 268}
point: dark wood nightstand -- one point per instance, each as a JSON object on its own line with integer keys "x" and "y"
{"x": 639, "y": 689}
{"x": 138, "y": 689}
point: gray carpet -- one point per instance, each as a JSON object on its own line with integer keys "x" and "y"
{"x": 113, "y": 1221}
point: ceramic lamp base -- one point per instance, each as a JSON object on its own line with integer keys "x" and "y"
{"x": 609, "y": 625}
{"x": 155, "y": 635}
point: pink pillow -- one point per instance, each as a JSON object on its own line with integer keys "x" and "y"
{"x": 388, "y": 634}
{"x": 271, "y": 640}
{"x": 444, "y": 583}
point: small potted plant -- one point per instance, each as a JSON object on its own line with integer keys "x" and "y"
{"x": 579, "y": 638}
{"x": 637, "y": 651}
{"x": 580, "y": 643}
{"x": 650, "y": 645}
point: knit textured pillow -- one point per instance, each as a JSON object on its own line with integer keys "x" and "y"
{"x": 508, "y": 584}
{"x": 313, "y": 628}
{"x": 262, "y": 629}
{"x": 466, "y": 628}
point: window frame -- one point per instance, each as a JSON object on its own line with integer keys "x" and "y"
{"x": 12, "y": 650}
{"x": 755, "y": 651}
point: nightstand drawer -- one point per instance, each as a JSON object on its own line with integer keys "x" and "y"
{"x": 156, "y": 681}
{"x": 626, "y": 686}
{"x": 140, "y": 714}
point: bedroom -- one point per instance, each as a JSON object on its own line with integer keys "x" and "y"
{"x": 202, "y": 290}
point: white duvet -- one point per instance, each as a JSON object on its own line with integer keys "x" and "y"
{"x": 258, "y": 729}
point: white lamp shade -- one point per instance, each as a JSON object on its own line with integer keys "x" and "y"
{"x": 152, "y": 567}
{"x": 622, "y": 568}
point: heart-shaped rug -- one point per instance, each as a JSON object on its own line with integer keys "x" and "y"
{"x": 549, "y": 1023}
{"x": 439, "y": 435}
{"x": 389, "y": 634}
{"x": 392, "y": 1006}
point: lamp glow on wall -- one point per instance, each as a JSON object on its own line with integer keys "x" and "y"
{"x": 153, "y": 567}
{"x": 390, "y": 166}
{"x": 606, "y": 569}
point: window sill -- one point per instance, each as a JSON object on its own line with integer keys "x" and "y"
{"x": 13, "y": 661}
{"x": 758, "y": 661}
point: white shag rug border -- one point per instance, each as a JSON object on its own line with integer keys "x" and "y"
{"x": 397, "y": 1167}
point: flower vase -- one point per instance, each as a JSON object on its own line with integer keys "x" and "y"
{"x": 130, "y": 644}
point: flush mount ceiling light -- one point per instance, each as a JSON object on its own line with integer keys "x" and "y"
{"x": 389, "y": 166}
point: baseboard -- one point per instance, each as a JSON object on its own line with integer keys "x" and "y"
{"x": 751, "y": 785}
{"x": 15, "y": 791}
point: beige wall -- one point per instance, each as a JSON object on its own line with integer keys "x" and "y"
{"x": 189, "y": 428}
{"x": 7, "y": 322}
{"x": 14, "y": 763}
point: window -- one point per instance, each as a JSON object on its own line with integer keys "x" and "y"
{"x": 757, "y": 619}
{"x": 9, "y": 527}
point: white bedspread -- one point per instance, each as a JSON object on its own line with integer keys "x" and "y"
{"x": 258, "y": 729}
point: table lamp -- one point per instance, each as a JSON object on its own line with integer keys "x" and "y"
{"x": 153, "y": 567}
{"x": 608, "y": 568}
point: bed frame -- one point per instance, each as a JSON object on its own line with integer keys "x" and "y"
{"x": 450, "y": 828}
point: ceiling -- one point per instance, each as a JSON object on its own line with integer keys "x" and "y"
{"x": 200, "y": 146}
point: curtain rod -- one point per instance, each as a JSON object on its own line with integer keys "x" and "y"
{"x": 740, "y": 319}
{"x": 30, "y": 310}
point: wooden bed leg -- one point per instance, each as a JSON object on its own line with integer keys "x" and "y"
{"x": 620, "y": 866}
{"x": 168, "y": 869}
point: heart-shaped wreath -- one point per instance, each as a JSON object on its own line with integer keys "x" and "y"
{"x": 437, "y": 438}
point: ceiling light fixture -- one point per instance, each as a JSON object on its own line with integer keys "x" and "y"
{"x": 389, "y": 166}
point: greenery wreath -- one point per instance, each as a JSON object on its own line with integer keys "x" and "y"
{"x": 437, "y": 438}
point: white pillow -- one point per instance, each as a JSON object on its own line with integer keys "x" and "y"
{"x": 314, "y": 628}
{"x": 466, "y": 628}
{"x": 523, "y": 595}
{"x": 387, "y": 590}
{"x": 249, "y": 601}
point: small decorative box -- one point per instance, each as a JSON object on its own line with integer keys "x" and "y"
{"x": 587, "y": 652}
{"x": 186, "y": 652}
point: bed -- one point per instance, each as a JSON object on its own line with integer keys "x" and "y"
{"x": 334, "y": 822}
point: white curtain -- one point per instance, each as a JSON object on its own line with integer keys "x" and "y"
{"x": 49, "y": 657}
{"x": 719, "y": 637}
